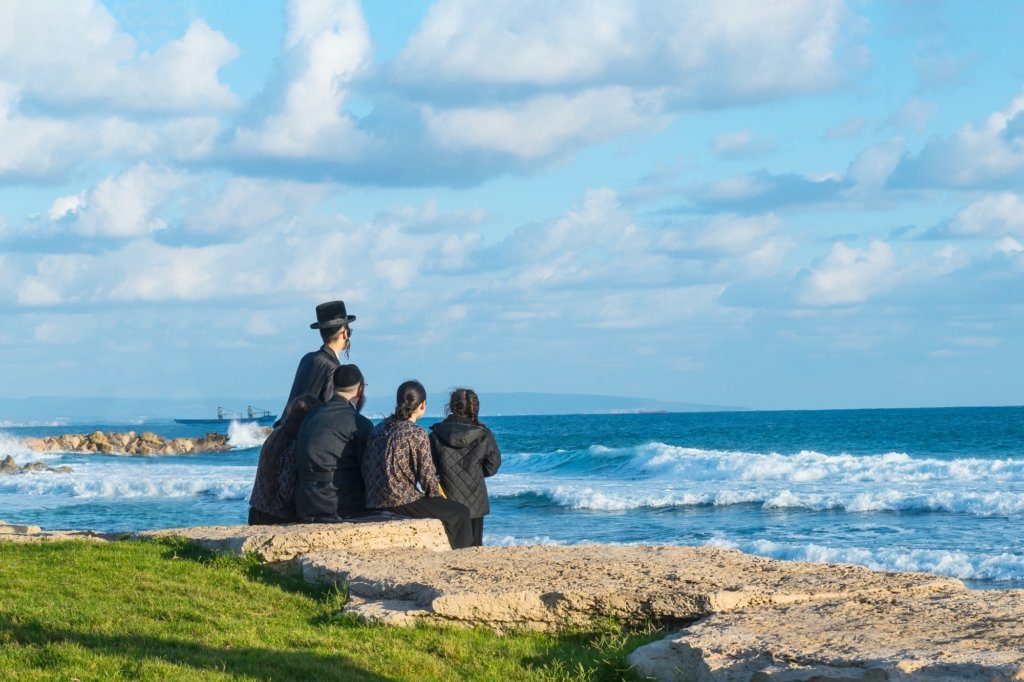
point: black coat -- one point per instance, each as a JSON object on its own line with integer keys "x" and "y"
{"x": 315, "y": 374}
{"x": 329, "y": 457}
{"x": 464, "y": 453}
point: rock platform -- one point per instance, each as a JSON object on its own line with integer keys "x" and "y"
{"x": 745, "y": 618}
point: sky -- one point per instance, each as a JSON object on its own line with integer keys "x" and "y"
{"x": 796, "y": 204}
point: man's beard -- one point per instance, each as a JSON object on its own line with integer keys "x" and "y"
{"x": 360, "y": 401}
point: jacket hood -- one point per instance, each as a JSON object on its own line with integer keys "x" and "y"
{"x": 457, "y": 433}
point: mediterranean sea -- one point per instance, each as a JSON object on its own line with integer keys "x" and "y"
{"x": 936, "y": 490}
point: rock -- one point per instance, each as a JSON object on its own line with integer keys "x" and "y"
{"x": 15, "y": 529}
{"x": 129, "y": 443}
{"x": 947, "y": 635}
{"x": 284, "y": 543}
{"x": 549, "y": 588}
{"x": 9, "y": 467}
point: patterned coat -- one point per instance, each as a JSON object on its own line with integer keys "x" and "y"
{"x": 397, "y": 459}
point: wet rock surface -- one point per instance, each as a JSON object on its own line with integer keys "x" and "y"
{"x": 9, "y": 467}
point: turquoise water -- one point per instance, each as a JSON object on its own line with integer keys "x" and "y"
{"x": 939, "y": 490}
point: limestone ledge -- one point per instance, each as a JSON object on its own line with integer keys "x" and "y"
{"x": 128, "y": 443}
{"x": 745, "y": 617}
{"x": 284, "y": 543}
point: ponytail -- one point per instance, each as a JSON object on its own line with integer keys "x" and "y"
{"x": 409, "y": 396}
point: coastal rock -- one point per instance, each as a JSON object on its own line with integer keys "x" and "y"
{"x": 284, "y": 543}
{"x": 9, "y": 467}
{"x": 128, "y": 443}
{"x": 948, "y": 635}
{"x": 548, "y": 588}
{"x": 7, "y": 529}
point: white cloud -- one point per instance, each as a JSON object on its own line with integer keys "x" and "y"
{"x": 545, "y": 125}
{"x": 703, "y": 52}
{"x": 989, "y": 154}
{"x": 849, "y": 275}
{"x": 994, "y": 215}
{"x": 326, "y": 46}
{"x": 71, "y": 53}
{"x": 33, "y": 147}
{"x": 121, "y": 206}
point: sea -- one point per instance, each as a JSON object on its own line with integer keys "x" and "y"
{"x": 936, "y": 490}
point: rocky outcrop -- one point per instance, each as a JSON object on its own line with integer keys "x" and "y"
{"x": 550, "y": 588}
{"x": 284, "y": 543}
{"x": 955, "y": 634}
{"x": 9, "y": 467}
{"x": 129, "y": 443}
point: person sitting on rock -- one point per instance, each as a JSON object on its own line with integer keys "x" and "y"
{"x": 398, "y": 460}
{"x": 272, "y": 499}
{"x": 329, "y": 453}
{"x": 315, "y": 369}
{"x": 465, "y": 452}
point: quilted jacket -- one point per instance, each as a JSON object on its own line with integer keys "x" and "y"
{"x": 464, "y": 453}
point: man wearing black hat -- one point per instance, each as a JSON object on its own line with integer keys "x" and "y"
{"x": 316, "y": 369}
{"x": 329, "y": 452}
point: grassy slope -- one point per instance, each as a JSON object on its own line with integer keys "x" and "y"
{"x": 168, "y": 610}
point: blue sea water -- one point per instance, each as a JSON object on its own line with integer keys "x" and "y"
{"x": 938, "y": 490}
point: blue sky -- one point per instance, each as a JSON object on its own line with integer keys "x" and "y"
{"x": 800, "y": 204}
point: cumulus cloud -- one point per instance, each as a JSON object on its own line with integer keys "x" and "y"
{"x": 848, "y": 275}
{"x": 704, "y": 54}
{"x": 72, "y": 54}
{"x": 326, "y": 46}
{"x": 544, "y": 125}
{"x": 994, "y": 215}
{"x": 121, "y": 206}
{"x": 990, "y": 154}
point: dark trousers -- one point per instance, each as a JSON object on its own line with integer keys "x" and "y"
{"x": 477, "y": 522}
{"x": 453, "y": 515}
{"x": 259, "y": 518}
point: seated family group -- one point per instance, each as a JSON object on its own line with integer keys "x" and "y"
{"x": 326, "y": 462}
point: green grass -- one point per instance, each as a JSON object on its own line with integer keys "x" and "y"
{"x": 170, "y": 611}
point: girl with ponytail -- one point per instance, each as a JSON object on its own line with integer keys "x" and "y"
{"x": 399, "y": 472}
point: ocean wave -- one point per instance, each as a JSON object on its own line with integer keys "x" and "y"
{"x": 675, "y": 463}
{"x": 22, "y": 454}
{"x": 165, "y": 481}
{"x": 247, "y": 435}
{"x": 516, "y": 541}
{"x": 624, "y": 499}
{"x": 1001, "y": 567}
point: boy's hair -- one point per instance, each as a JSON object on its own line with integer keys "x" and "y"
{"x": 465, "y": 404}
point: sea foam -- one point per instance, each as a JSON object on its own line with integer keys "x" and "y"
{"x": 1001, "y": 567}
{"x": 247, "y": 435}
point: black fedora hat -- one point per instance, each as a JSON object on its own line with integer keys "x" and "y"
{"x": 331, "y": 314}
